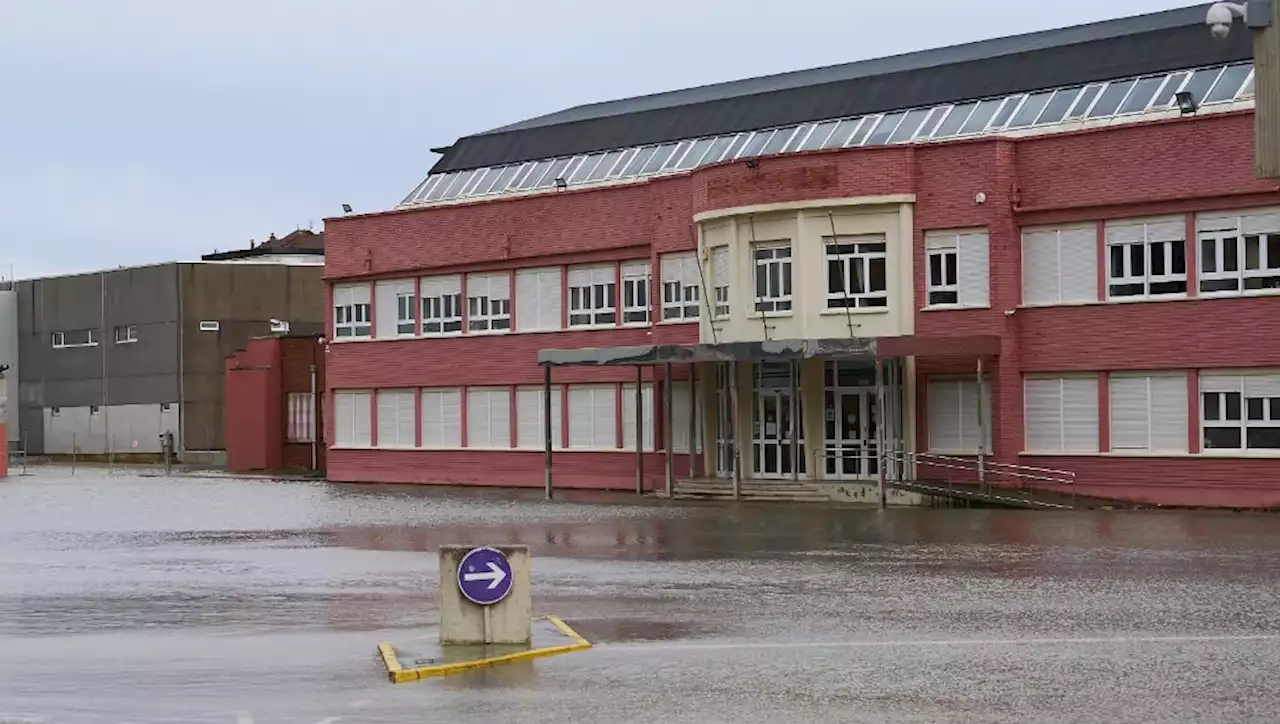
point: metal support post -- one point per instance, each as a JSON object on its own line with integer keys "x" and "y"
{"x": 880, "y": 436}
{"x": 693, "y": 420}
{"x": 639, "y": 430}
{"x": 546, "y": 429}
{"x": 733, "y": 430}
{"x": 982, "y": 435}
{"x": 668, "y": 425}
{"x": 796, "y": 424}
{"x": 315, "y": 411}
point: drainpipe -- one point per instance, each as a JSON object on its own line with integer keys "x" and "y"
{"x": 315, "y": 408}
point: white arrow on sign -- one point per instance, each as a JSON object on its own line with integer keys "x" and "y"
{"x": 494, "y": 576}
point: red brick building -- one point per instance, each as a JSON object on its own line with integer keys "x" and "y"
{"x": 1074, "y": 209}
{"x": 273, "y": 387}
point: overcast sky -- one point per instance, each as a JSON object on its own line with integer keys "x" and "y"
{"x": 138, "y": 131}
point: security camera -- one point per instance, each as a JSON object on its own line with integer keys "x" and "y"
{"x": 1221, "y": 16}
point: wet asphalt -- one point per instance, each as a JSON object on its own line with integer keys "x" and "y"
{"x": 126, "y": 598}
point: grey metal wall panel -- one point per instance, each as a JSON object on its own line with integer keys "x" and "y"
{"x": 9, "y": 357}
{"x": 121, "y": 429}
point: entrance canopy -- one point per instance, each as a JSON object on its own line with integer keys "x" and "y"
{"x": 783, "y": 350}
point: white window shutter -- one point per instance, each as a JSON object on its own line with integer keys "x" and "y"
{"x": 1220, "y": 383}
{"x": 970, "y": 422}
{"x": 635, "y": 270}
{"x": 1262, "y": 385}
{"x": 1080, "y": 414}
{"x": 538, "y": 299}
{"x": 973, "y": 270}
{"x": 720, "y": 265}
{"x": 1125, "y": 232}
{"x": 690, "y": 276}
{"x": 1267, "y": 222}
{"x": 451, "y": 416}
{"x": 527, "y": 300}
{"x": 1078, "y": 254}
{"x": 1130, "y": 413}
{"x": 488, "y": 418}
{"x": 1169, "y": 414}
{"x": 1042, "y": 401}
{"x": 530, "y": 418}
{"x": 363, "y": 428}
{"x": 606, "y": 417}
{"x": 1217, "y": 222}
{"x": 629, "y": 416}
{"x": 944, "y": 415}
{"x": 1040, "y": 267}
{"x": 681, "y": 408}
{"x": 500, "y": 418}
{"x": 1167, "y": 230}
{"x": 343, "y": 418}
{"x": 581, "y": 416}
{"x": 579, "y": 276}
{"x": 385, "y": 314}
{"x": 477, "y": 418}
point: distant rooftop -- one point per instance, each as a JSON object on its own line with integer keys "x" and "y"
{"x": 299, "y": 242}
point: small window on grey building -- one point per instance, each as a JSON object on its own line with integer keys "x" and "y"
{"x": 93, "y": 409}
{"x": 126, "y": 334}
{"x": 209, "y": 326}
{"x": 55, "y": 411}
{"x": 279, "y": 327}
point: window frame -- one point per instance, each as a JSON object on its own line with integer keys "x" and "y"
{"x": 983, "y": 413}
{"x": 350, "y": 313}
{"x": 130, "y": 334}
{"x": 970, "y": 250}
{"x": 361, "y": 400}
{"x": 848, "y": 301}
{"x": 777, "y": 297}
{"x": 1061, "y": 416}
{"x": 490, "y": 292}
{"x": 1270, "y": 413}
{"x": 681, "y": 299}
{"x": 1152, "y": 412}
{"x": 440, "y": 300}
{"x": 59, "y": 339}
{"x": 499, "y": 437}
{"x": 396, "y": 415}
{"x": 441, "y": 400}
{"x": 600, "y": 309}
{"x": 722, "y": 276}
{"x": 1146, "y": 279}
{"x": 1242, "y": 274}
{"x": 636, "y": 288}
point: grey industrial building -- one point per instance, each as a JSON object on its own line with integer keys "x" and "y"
{"x": 109, "y": 361}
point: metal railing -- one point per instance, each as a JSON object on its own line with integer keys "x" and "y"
{"x": 903, "y": 466}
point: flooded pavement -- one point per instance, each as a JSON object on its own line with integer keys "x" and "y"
{"x": 145, "y": 599}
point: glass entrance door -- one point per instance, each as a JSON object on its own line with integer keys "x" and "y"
{"x": 775, "y": 428}
{"x": 851, "y": 428}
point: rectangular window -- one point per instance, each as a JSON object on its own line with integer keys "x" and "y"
{"x": 489, "y": 302}
{"x": 722, "y": 272}
{"x": 210, "y": 326}
{"x": 1061, "y": 414}
{"x": 352, "y": 311}
{"x": 441, "y": 305}
{"x": 301, "y": 423}
{"x": 593, "y": 296}
{"x": 1148, "y": 412}
{"x": 1239, "y": 254}
{"x": 772, "y": 277}
{"x": 1146, "y": 259}
{"x": 1240, "y": 412}
{"x": 635, "y": 292}
{"x": 856, "y": 273}
{"x": 530, "y": 430}
{"x": 593, "y": 417}
{"x": 396, "y": 418}
{"x": 538, "y": 299}
{"x": 127, "y": 334}
{"x": 957, "y": 269}
{"x": 396, "y": 308}
{"x": 954, "y": 424}
{"x": 488, "y": 417}
{"x": 681, "y": 286}
{"x": 1060, "y": 265}
{"x": 351, "y": 418}
{"x": 629, "y": 415}
{"x": 442, "y": 418}
{"x": 77, "y": 338}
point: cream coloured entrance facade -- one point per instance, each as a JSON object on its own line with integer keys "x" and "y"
{"x": 830, "y": 270}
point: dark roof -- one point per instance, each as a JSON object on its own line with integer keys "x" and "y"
{"x": 1151, "y": 43}
{"x": 301, "y": 241}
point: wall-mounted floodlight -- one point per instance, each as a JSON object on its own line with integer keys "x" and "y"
{"x": 1187, "y": 103}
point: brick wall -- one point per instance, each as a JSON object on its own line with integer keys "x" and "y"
{"x": 258, "y": 382}
{"x": 1178, "y": 166}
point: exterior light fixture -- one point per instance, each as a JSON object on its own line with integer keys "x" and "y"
{"x": 1187, "y": 103}
{"x": 346, "y": 208}
{"x": 561, "y": 184}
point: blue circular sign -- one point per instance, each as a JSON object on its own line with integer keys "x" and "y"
{"x": 484, "y": 576}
